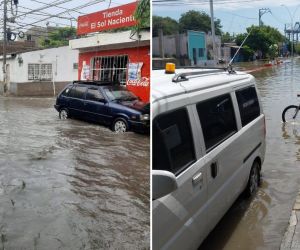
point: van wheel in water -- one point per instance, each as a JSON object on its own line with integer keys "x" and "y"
{"x": 63, "y": 114}
{"x": 119, "y": 126}
{"x": 254, "y": 180}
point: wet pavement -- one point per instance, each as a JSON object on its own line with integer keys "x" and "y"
{"x": 70, "y": 184}
{"x": 260, "y": 223}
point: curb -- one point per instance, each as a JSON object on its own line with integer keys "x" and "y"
{"x": 291, "y": 238}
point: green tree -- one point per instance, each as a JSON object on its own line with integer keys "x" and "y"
{"x": 58, "y": 37}
{"x": 261, "y": 38}
{"x": 227, "y": 38}
{"x": 199, "y": 21}
{"x": 168, "y": 25}
{"x": 142, "y": 15}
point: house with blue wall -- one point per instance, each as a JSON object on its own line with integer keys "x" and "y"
{"x": 196, "y": 43}
{"x": 189, "y": 48}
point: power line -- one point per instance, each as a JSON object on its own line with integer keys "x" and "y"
{"x": 55, "y": 15}
{"x": 170, "y": 3}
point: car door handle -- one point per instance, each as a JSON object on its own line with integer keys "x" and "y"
{"x": 197, "y": 178}
{"x": 214, "y": 169}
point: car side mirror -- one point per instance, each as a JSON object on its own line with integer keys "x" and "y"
{"x": 163, "y": 183}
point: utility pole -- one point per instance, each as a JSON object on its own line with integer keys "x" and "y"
{"x": 261, "y": 12}
{"x": 4, "y": 46}
{"x": 212, "y": 23}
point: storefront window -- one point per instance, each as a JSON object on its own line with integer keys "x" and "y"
{"x": 110, "y": 68}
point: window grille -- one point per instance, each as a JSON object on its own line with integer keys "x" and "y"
{"x": 42, "y": 72}
{"x": 46, "y": 72}
{"x": 109, "y": 68}
{"x": 33, "y": 71}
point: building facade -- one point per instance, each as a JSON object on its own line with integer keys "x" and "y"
{"x": 119, "y": 57}
{"x": 189, "y": 48}
{"x": 122, "y": 57}
{"x": 41, "y": 72}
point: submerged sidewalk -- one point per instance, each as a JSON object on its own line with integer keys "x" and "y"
{"x": 291, "y": 239}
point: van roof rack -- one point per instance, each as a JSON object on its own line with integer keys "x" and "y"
{"x": 183, "y": 76}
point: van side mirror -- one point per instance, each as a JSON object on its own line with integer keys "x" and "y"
{"x": 163, "y": 183}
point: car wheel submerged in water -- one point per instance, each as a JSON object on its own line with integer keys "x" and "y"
{"x": 63, "y": 114}
{"x": 254, "y": 180}
{"x": 120, "y": 126}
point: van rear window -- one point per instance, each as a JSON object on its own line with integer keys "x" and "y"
{"x": 217, "y": 120}
{"x": 173, "y": 145}
{"x": 248, "y": 104}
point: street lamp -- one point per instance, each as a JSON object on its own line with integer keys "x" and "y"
{"x": 292, "y": 25}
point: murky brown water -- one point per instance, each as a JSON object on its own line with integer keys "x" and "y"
{"x": 69, "y": 184}
{"x": 261, "y": 222}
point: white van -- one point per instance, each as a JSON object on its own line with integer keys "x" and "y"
{"x": 208, "y": 148}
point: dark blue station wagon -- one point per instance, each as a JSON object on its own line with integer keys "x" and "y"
{"x": 104, "y": 103}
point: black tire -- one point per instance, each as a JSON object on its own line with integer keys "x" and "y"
{"x": 64, "y": 114}
{"x": 253, "y": 181}
{"x": 119, "y": 125}
{"x": 289, "y": 112}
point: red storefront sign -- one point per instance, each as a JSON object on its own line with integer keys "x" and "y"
{"x": 117, "y": 17}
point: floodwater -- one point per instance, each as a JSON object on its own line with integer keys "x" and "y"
{"x": 260, "y": 223}
{"x": 70, "y": 184}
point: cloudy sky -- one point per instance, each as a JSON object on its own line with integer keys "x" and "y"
{"x": 236, "y": 15}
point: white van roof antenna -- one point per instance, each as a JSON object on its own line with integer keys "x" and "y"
{"x": 229, "y": 67}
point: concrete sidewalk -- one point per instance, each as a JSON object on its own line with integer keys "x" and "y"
{"x": 291, "y": 239}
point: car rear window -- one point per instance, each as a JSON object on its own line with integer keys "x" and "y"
{"x": 66, "y": 91}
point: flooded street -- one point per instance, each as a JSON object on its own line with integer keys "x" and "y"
{"x": 70, "y": 184}
{"x": 261, "y": 222}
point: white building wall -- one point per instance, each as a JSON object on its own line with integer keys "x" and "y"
{"x": 170, "y": 45}
{"x": 61, "y": 58}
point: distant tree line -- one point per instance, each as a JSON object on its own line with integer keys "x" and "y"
{"x": 191, "y": 20}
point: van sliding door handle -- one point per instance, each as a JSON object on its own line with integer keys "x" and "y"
{"x": 214, "y": 169}
{"x": 197, "y": 178}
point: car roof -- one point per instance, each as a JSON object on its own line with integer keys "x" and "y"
{"x": 97, "y": 83}
{"x": 193, "y": 80}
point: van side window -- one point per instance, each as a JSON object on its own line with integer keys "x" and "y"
{"x": 217, "y": 120}
{"x": 173, "y": 145}
{"x": 248, "y": 104}
{"x": 78, "y": 92}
